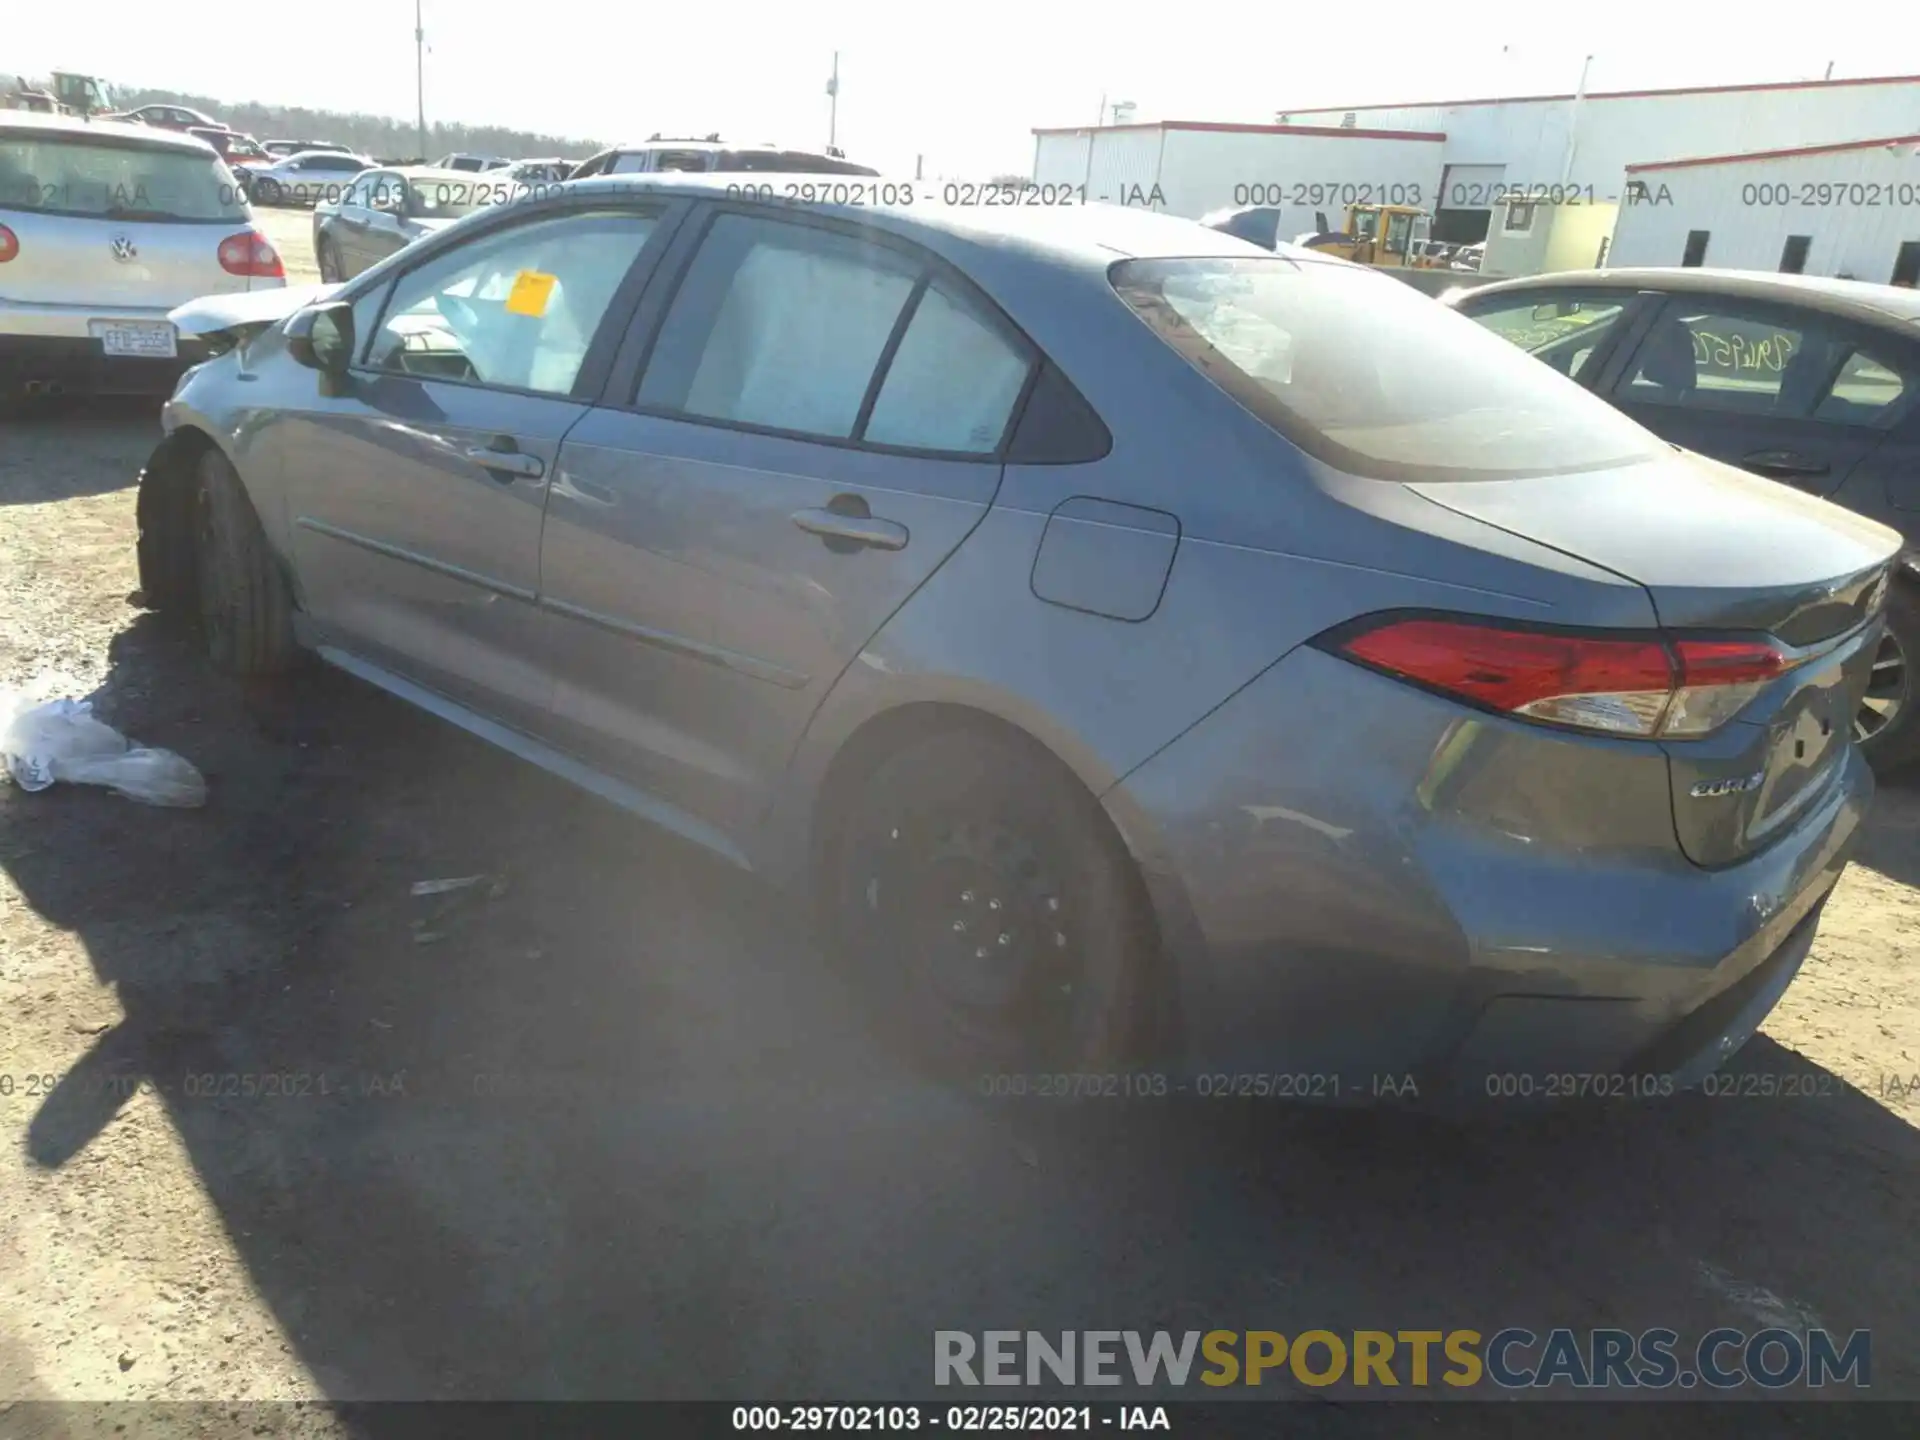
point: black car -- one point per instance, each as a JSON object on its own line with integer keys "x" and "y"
{"x": 1802, "y": 379}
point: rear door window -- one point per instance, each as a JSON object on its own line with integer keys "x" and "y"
{"x": 1371, "y": 376}
{"x": 1866, "y": 390}
{"x": 778, "y": 326}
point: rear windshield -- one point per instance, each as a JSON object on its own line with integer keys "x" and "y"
{"x": 60, "y": 175}
{"x": 1373, "y": 377}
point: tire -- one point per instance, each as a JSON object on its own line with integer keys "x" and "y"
{"x": 245, "y": 609}
{"x": 328, "y": 259}
{"x": 1885, "y": 725}
{"x": 267, "y": 192}
{"x": 984, "y": 899}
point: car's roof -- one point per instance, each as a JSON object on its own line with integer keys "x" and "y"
{"x": 1088, "y": 236}
{"x": 1858, "y": 299}
{"x": 428, "y": 172}
{"x": 116, "y": 130}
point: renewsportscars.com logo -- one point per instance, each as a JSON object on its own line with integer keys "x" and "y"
{"x": 1512, "y": 1359}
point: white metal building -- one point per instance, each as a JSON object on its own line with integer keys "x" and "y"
{"x": 1191, "y": 168}
{"x": 1850, "y": 209}
{"x": 1590, "y": 140}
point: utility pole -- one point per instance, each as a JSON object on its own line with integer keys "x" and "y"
{"x": 420, "y": 76}
{"x": 833, "y": 103}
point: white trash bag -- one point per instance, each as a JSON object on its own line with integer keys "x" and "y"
{"x": 60, "y": 741}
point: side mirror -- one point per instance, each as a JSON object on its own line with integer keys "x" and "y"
{"x": 1546, "y": 312}
{"x": 321, "y": 338}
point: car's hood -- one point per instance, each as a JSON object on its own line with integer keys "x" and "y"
{"x": 213, "y": 313}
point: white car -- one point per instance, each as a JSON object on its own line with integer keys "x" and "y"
{"x": 308, "y": 178}
{"x": 104, "y": 228}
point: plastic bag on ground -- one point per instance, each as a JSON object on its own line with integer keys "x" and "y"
{"x": 58, "y": 741}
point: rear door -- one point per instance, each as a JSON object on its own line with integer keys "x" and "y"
{"x": 1754, "y": 384}
{"x": 819, "y": 422}
{"x": 415, "y": 498}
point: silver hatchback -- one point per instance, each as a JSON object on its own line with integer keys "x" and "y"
{"x": 104, "y": 229}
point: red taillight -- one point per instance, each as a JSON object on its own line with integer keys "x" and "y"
{"x": 1622, "y": 686}
{"x": 248, "y": 253}
{"x": 9, "y": 244}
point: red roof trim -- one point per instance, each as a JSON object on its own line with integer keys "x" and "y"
{"x": 1611, "y": 95}
{"x": 1771, "y": 154}
{"x": 1321, "y": 131}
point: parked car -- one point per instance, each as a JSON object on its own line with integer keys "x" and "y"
{"x": 538, "y": 172}
{"x": 1803, "y": 380}
{"x": 711, "y": 155}
{"x": 304, "y": 179}
{"x": 168, "y": 117}
{"x": 231, "y": 146}
{"x": 470, "y": 162}
{"x": 284, "y": 148}
{"x": 104, "y": 229}
{"x": 1476, "y": 732}
{"x": 383, "y": 211}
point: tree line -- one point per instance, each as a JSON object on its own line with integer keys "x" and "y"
{"x": 380, "y": 136}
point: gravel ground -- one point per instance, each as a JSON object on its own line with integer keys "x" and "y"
{"x": 609, "y": 1128}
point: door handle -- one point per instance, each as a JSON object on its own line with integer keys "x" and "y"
{"x": 1784, "y": 462}
{"x": 852, "y": 530}
{"x": 505, "y": 462}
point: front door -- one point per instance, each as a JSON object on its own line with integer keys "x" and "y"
{"x": 819, "y": 424}
{"x": 415, "y": 499}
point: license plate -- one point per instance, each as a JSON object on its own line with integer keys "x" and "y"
{"x": 149, "y": 339}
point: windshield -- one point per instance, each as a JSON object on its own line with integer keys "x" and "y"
{"x": 79, "y": 175}
{"x": 1373, "y": 377}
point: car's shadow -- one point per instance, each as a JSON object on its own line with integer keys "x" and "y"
{"x": 610, "y": 1128}
{"x": 66, "y": 447}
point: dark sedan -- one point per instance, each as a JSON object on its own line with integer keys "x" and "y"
{"x": 1798, "y": 378}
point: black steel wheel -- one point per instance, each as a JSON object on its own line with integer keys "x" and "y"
{"x": 987, "y": 901}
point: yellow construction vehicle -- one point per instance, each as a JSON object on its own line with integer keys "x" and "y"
{"x": 67, "y": 94}
{"x": 1385, "y": 236}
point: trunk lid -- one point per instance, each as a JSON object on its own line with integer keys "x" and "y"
{"x": 1720, "y": 551}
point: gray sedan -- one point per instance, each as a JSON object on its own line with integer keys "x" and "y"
{"x": 385, "y": 210}
{"x": 1168, "y": 663}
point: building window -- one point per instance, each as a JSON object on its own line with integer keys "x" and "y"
{"x": 1696, "y": 255}
{"x": 1347, "y": 120}
{"x": 1519, "y": 219}
{"x": 1906, "y": 265}
{"x": 1793, "y": 255}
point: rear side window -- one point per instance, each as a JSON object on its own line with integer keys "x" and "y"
{"x": 780, "y": 326}
{"x": 58, "y": 175}
{"x": 1371, "y": 376}
{"x": 952, "y": 383}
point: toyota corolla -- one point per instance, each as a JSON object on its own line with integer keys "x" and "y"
{"x": 1149, "y": 650}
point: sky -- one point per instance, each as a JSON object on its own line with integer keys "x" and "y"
{"x": 961, "y": 85}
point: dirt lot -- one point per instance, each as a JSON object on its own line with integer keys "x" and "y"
{"x": 613, "y": 1129}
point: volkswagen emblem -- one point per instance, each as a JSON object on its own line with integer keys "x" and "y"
{"x": 123, "y": 250}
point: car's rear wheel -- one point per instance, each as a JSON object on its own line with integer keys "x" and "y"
{"x": 245, "y": 609}
{"x": 328, "y": 259}
{"x": 1885, "y": 725}
{"x": 984, "y": 896}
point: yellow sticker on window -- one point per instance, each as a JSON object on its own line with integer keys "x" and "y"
{"x": 530, "y": 293}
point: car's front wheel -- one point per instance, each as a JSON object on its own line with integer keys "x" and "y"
{"x": 268, "y": 192}
{"x": 986, "y": 899}
{"x": 245, "y": 608}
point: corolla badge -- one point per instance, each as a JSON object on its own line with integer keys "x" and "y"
{"x": 1707, "y": 789}
{"x": 122, "y": 248}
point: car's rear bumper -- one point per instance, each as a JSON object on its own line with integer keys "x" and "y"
{"x": 47, "y": 363}
{"x": 1358, "y": 883}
